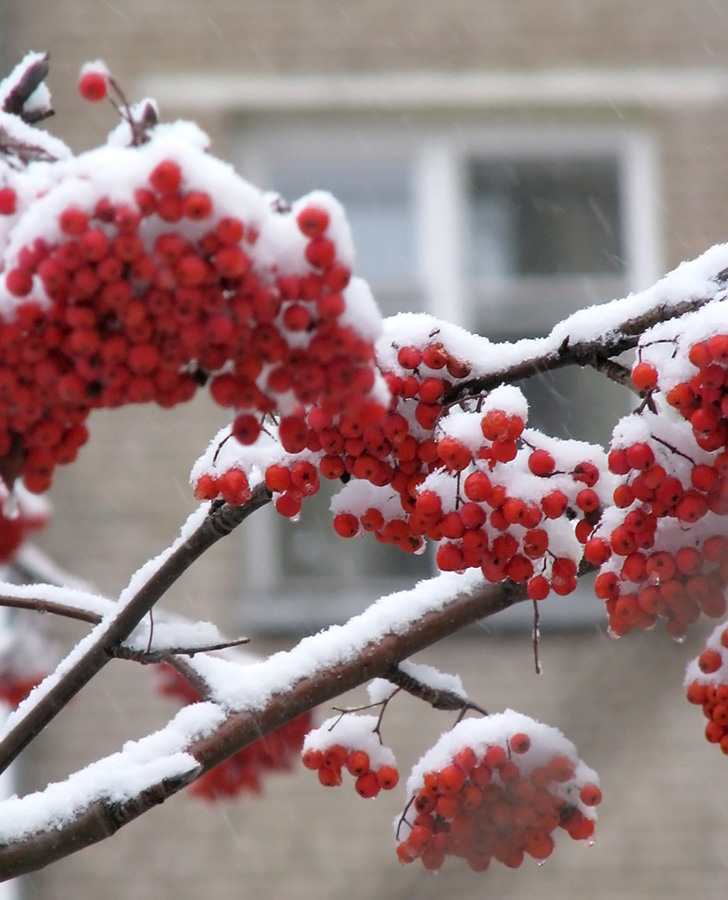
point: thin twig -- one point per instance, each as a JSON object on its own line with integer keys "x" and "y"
{"x": 151, "y": 657}
{"x": 40, "y": 605}
{"x": 536, "y": 635}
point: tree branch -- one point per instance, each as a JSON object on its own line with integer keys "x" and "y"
{"x": 596, "y": 352}
{"x": 42, "y": 605}
{"x": 95, "y": 651}
{"x": 101, "y": 818}
{"x": 152, "y": 657}
{"x": 437, "y": 697}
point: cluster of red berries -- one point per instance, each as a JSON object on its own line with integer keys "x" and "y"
{"x": 472, "y": 481}
{"x": 351, "y": 745}
{"x": 232, "y": 485}
{"x": 703, "y": 398}
{"x": 147, "y": 294}
{"x": 243, "y": 771}
{"x": 480, "y": 799}
{"x": 706, "y": 683}
{"x": 662, "y": 549}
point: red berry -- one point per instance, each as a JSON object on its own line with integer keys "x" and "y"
{"x": 321, "y": 252}
{"x": 346, "y": 525}
{"x": 640, "y": 456}
{"x": 644, "y": 377}
{"x": 367, "y": 785}
{"x": 197, "y": 205}
{"x": 541, "y": 463}
{"x": 590, "y": 795}
{"x": 538, "y": 588}
{"x": 234, "y": 487}
{"x": 520, "y": 743}
{"x": 8, "y": 201}
{"x": 166, "y": 177}
{"x": 388, "y": 777}
{"x": 710, "y": 661}
{"x": 357, "y": 762}
{"x": 450, "y": 780}
{"x": 19, "y": 282}
{"x": 313, "y": 221}
{"x": 92, "y": 85}
{"x": 313, "y": 759}
{"x": 246, "y": 428}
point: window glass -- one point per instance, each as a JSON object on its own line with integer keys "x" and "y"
{"x": 543, "y": 218}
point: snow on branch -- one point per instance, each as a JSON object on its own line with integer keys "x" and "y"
{"x": 588, "y": 337}
{"x": 248, "y": 702}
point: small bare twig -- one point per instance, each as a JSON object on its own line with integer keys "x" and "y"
{"x": 438, "y": 698}
{"x": 38, "y": 604}
{"x": 151, "y": 657}
{"x": 536, "y": 636}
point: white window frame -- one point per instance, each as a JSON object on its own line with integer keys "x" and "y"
{"x": 439, "y": 152}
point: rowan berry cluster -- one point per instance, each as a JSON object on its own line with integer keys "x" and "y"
{"x": 142, "y": 288}
{"x": 245, "y": 770}
{"x": 706, "y": 683}
{"x": 496, "y": 789}
{"x": 662, "y": 547}
{"x": 492, "y": 494}
{"x": 351, "y": 744}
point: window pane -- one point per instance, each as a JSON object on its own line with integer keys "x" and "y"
{"x": 543, "y": 218}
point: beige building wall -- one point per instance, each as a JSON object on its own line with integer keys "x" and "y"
{"x": 664, "y": 825}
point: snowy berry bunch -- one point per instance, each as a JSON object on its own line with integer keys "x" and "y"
{"x": 496, "y": 788}
{"x": 662, "y": 547}
{"x": 706, "y": 683}
{"x": 136, "y": 273}
{"x": 244, "y": 771}
{"x": 351, "y": 743}
{"x": 492, "y": 494}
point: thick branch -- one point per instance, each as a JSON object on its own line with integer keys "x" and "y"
{"x": 596, "y": 353}
{"x": 102, "y": 818}
{"x": 97, "y": 648}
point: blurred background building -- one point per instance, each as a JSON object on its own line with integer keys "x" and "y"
{"x": 502, "y": 164}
